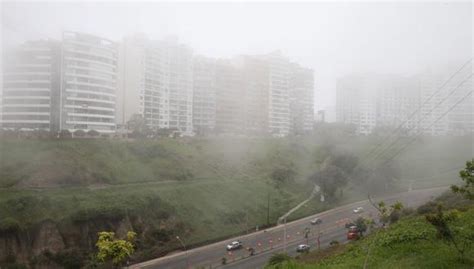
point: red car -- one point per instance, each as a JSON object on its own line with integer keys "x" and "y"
{"x": 352, "y": 236}
{"x": 353, "y": 233}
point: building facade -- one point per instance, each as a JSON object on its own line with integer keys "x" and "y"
{"x": 31, "y": 86}
{"x": 204, "y": 95}
{"x": 356, "y": 103}
{"x": 301, "y": 100}
{"x": 157, "y": 83}
{"x": 423, "y": 104}
{"x": 89, "y": 83}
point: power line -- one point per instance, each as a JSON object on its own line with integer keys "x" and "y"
{"x": 379, "y": 154}
{"x": 396, "y": 130}
{"x": 417, "y": 136}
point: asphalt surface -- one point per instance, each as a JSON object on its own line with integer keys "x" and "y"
{"x": 270, "y": 241}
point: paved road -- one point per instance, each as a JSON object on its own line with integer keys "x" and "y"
{"x": 270, "y": 241}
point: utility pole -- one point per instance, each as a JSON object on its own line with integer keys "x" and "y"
{"x": 319, "y": 234}
{"x": 185, "y": 251}
{"x": 268, "y": 208}
{"x": 284, "y": 237}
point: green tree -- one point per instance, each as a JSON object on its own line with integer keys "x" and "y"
{"x": 388, "y": 214}
{"x": 137, "y": 125}
{"x": 330, "y": 178}
{"x": 115, "y": 250}
{"x": 467, "y": 175}
{"x": 460, "y": 239}
{"x": 361, "y": 225}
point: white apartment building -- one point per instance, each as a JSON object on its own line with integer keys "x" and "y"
{"x": 279, "y": 91}
{"x": 204, "y": 95}
{"x": 422, "y": 103}
{"x": 31, "y": 86}
{"x": 301, "y": 99}
{"x": 179, "y": 60}
{"x": 398, "y": 100}
{"x": 89, "y": 83}
{"x": 356, "y": 103}
{"x": 156, "y": 81}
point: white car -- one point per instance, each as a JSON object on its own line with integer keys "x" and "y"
{"x": 316, "y": 221}
{"x": 234, "y": 245}
{"x": 302, "y": 248}
{"x": 358, "y": 210}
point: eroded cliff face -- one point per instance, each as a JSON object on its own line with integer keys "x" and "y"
{"x": 36, "y": 247}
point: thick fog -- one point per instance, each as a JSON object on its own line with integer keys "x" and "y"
{"x": 334, "y": 39}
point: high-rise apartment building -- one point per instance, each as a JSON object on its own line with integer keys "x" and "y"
{"x": 157, "y": 83}
{"x": 67, "y": 85}
{"x": 422, "y": 104}
{"x": 264, "y": 95}
{"x": 397, "y": 101}
{"x": 179, "y": 60}
{"x": 31, "y": 86}
{"x": 279, "y": 91}
{"x": 85, "y": 82}
{"x": 255, "y": 94}
{"x": 301, "y": 99}
{"x": 356, "y": 103}
{"x": 89, "y": 83}
{"x": 204, "y": 95}
{"x": 229, "y": 102}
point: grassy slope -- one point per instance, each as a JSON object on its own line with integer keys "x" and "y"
{"x": 390, "y": 249}
{"x": 212, "y": 186}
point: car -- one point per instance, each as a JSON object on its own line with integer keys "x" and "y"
{"x": 302, "y": 248}
{"x": 234, "y": 245}
{"x": 358, "y": 210}
{"x": 352, "y": 236}
{"x": 353, "y": 229}
{"x": 316, "y": 221}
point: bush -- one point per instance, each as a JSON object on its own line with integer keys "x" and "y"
{"x": 9, "y": 225}
{"x": 429, "y": 207}
{"x": 65, "y": 134}
{"x": 14, "y": 265}
{"x": 80, "y": 133}
{"x": 93, "y": 133}
{"x": 71, "y": 259}
{"x": 278, "y": 258}
{"x": 407, "y": 211}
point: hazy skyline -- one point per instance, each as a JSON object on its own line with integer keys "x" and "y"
{"x": 334, "y": 39}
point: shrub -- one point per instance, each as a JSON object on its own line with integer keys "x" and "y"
{"x": 429, "y": 207}
{"x": 9, "y": 225}
{"x": 93, "y": 133}
{"x": 80, "y": 133}
{"x": 65, "y": 134}
{"x": 278, "y": 258}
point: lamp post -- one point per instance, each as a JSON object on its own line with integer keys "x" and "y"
{"x": 185, "y": 251}
{"x": 319, "y": 235}
{"x": 284, "y": 236}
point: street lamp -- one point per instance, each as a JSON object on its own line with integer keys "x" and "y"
{"x": 185, "y": 251}
{"x": 319, "y": 235}
{"x": 284, "y": 236}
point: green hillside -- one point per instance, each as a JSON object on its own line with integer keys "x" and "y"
{"x": 200, "y": 189}
{"x": 410, "y": 243}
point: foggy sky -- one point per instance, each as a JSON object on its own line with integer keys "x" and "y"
{"x": 334, "y": 39}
